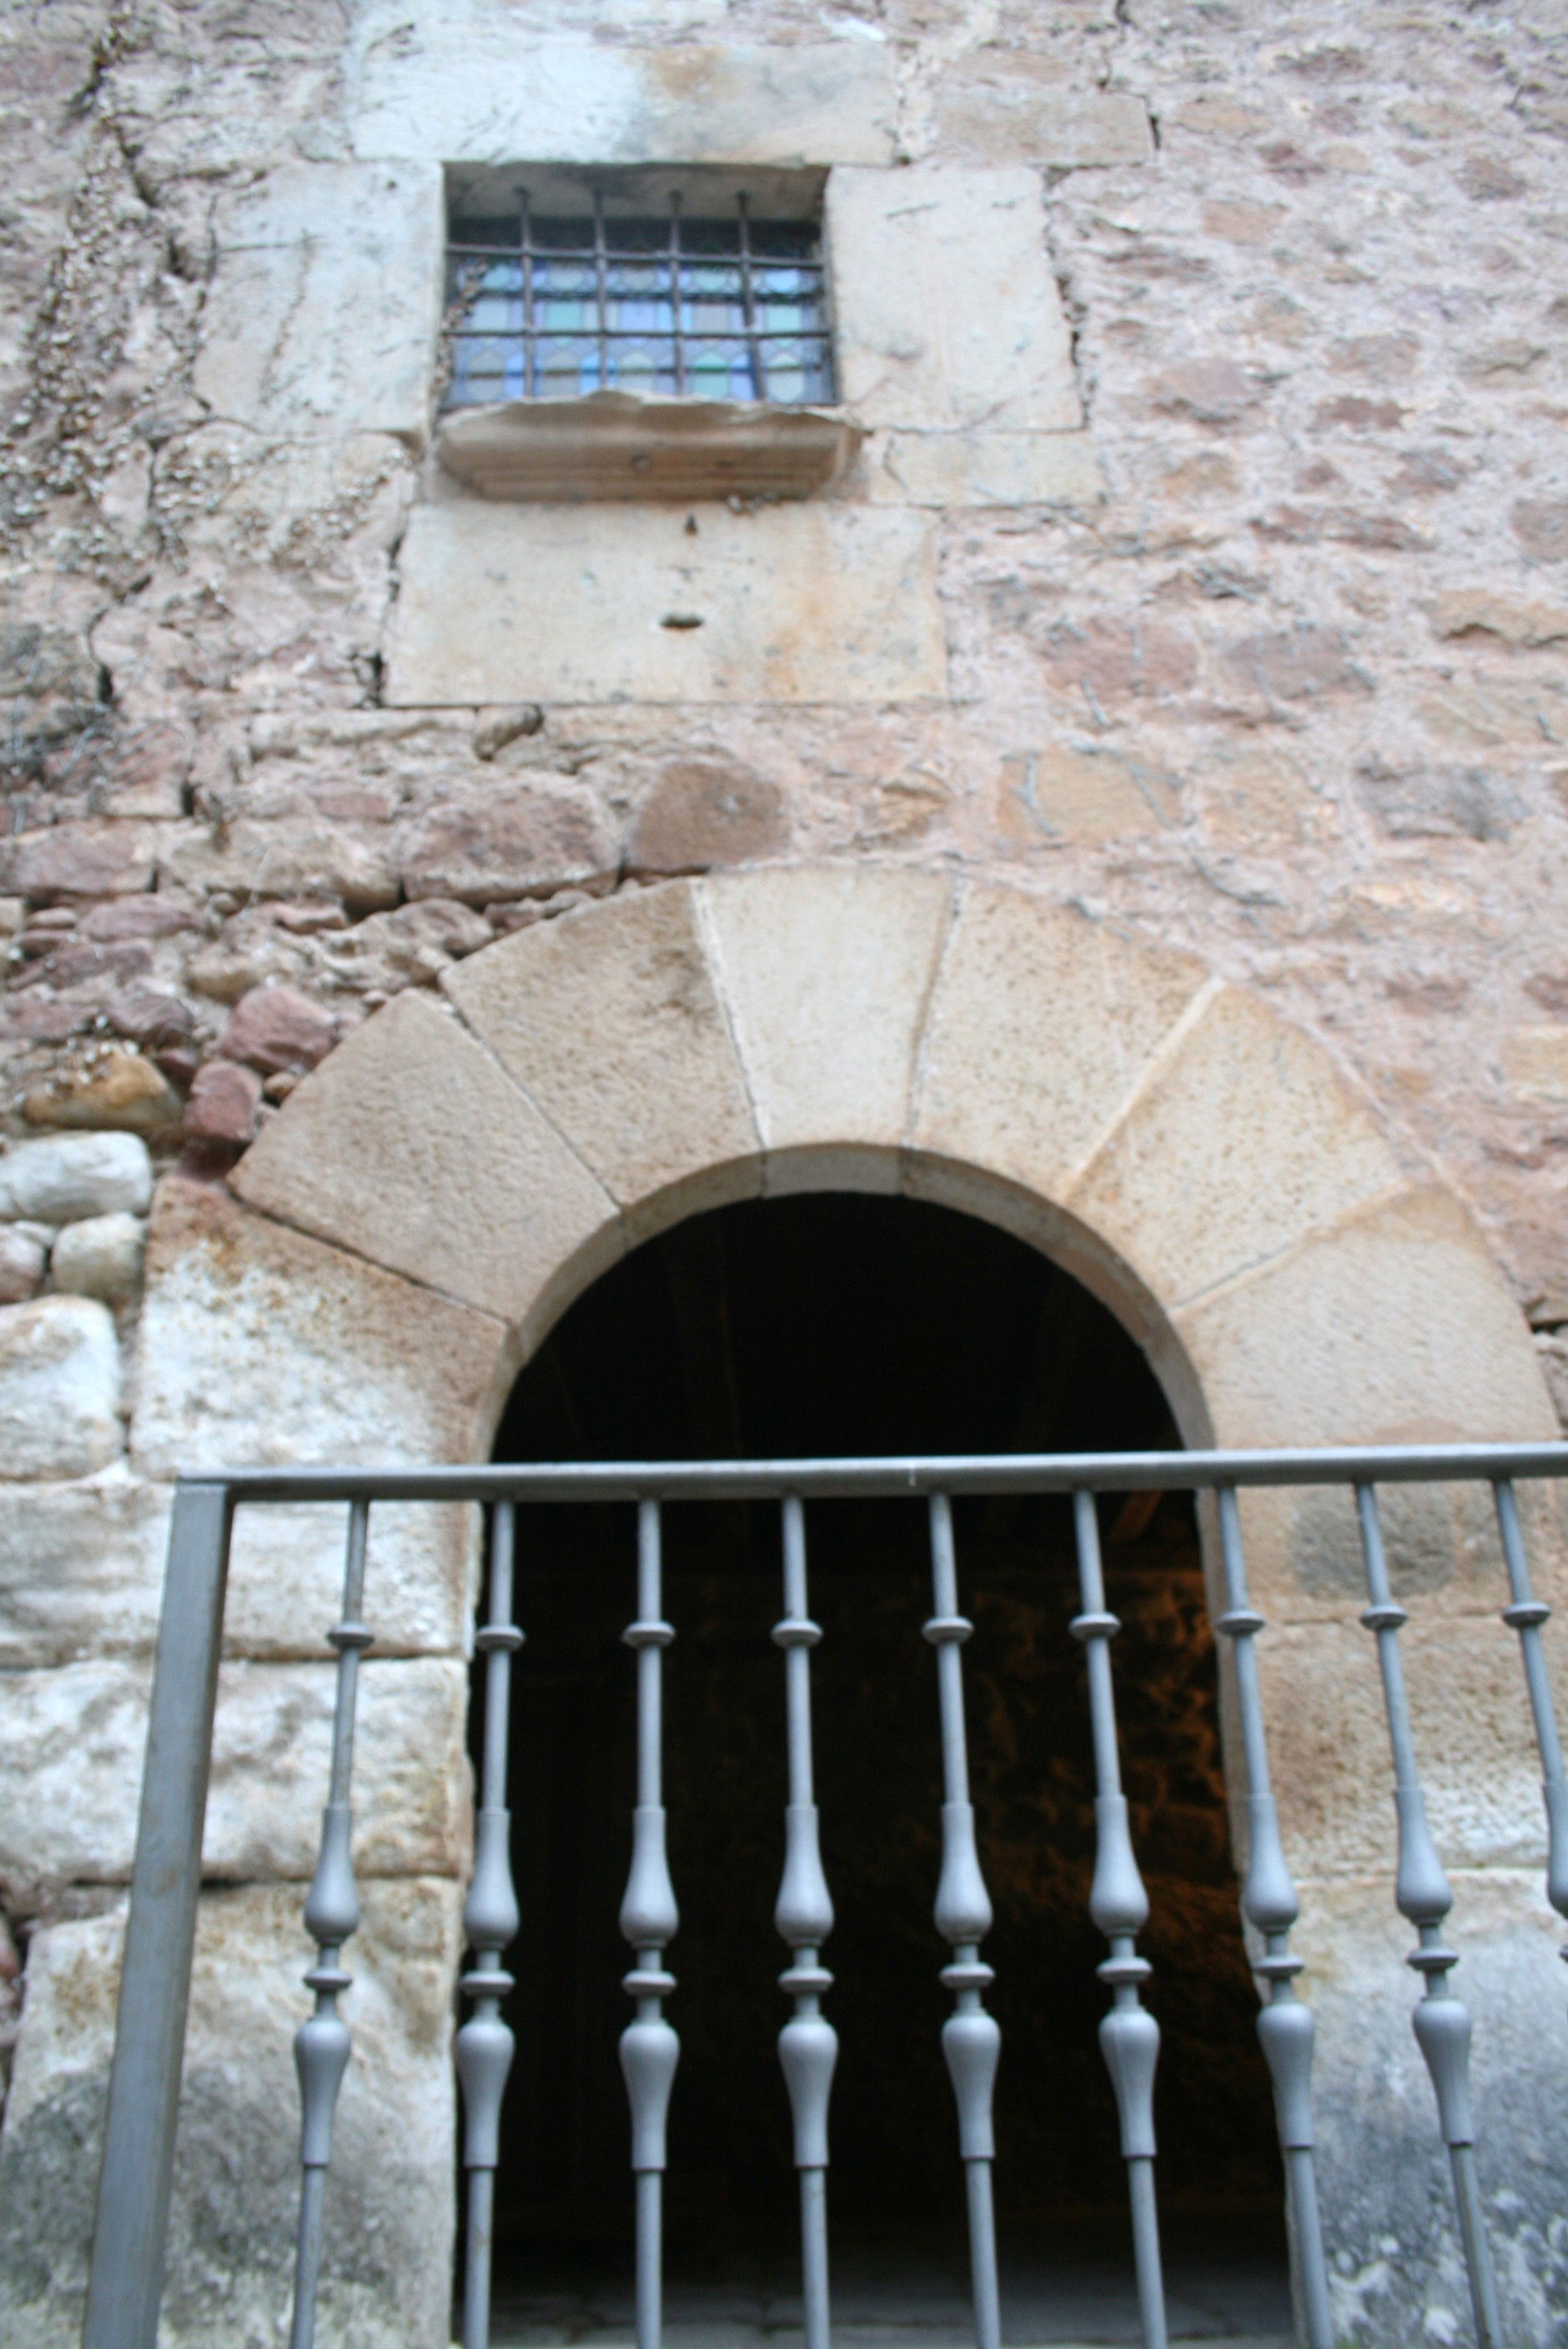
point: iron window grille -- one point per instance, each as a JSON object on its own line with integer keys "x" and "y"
{"x": 548, "y": 307}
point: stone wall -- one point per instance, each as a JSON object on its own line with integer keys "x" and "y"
{"x": 1245, "y": 641}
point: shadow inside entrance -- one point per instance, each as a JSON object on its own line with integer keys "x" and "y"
{"x": 834, "y": 1324}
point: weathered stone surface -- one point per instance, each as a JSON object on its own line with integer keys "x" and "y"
{"x": 59, "y": 1388}
{"x": 81, "y": 859}
{"x": 23, "y": 1255}
{"x": 99, "y": 1256}
{"x": 276, "y": 1028}
{"x": 1397, "y": 2272}
{"x": 700, "y": 812}
{"x": 55, "y": 1180}
{"x": 257, "y": 1344}
{"x": 1535, "y": 1062}
{"x": 458, "y": 84}
{"x": 998, "y": 113}
{"x": 409, "y": 1146}
{"x": 116, "y": 1090}
{"x": 982, "y": 468}
{"x": 81, "y": 1568}
{"x": 299, "y": 857}
{"x": 1194, "y": 1186}
{"x": 1482, "y": 610}
{"x": 1393, "y": 1323}
{"x": 948, "y": 312}
{"x": 1041, "y": 1024}
{"x": 308, "y": 257}
{"x": 70, "y": 1752}
{"x": 794, "y": 603}
{"x": 506, "y": 840}
{"x": 827, "y": 977}
{"x": 223, "y": 1105}
{"x": 386, "y": 2276}
{"x": 1064, "y": 794}
{"x": 610, "y": 1020}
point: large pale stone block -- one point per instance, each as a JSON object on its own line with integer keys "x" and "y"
{"x": 81, "y": 1568}
{"x": 323, "y": 316}
{"x": 410, "y": 1145}
{"x": 828, "y": 975}
{"x": 1394, "y": 1328}
{"x": 386, "y": 2279}
{"x": 82, "y": 1574}
{"x": 947, "y": 307}
{"x": 259, "y": 1346}
{"x": 59, "y": 1388}
{"x": 792, "y": 604}
{"x": 1242, "y": 1140}
{"x": 459, "y": 82}
{"x": 1396, "y": 2269}
{"x": 1041, "y": 1025}
{"x": 71, "y": 1744}
{"x": 610, "y": 1019}
{"x": 985, "y": 468}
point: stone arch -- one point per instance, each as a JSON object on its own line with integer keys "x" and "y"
{"x": 1203, "y": 1166}
{"x": 426, "y": 1204}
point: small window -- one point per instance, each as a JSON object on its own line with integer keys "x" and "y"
{"x": 707, "y": 297}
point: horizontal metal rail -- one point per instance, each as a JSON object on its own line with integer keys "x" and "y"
{"x": 886, "y": 1479}
{"x": 127, "y": 2274}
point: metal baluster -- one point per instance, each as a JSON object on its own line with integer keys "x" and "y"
{"x": 1441, "y": 2021}
{"x": 485, "y": 2045}
{"x": 1526, "y": 1615}
{"x": 330, "y": 1915}
{"x": 804, "y": 1915}
{"x": 1129, "y": 2034}
{"x": 971, "y": 2042}
{"x": 1269, "y": 1903}
{"x": 649, "y": 2047}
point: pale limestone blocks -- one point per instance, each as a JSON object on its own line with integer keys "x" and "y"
{"x": 795, "y": 604}
{"x": 388, "y": 2282}
{"x": 60, "y": 1387}
{"x": 323, "y": 316}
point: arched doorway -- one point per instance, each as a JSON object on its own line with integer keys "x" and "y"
{"x": 834, "y": 1323}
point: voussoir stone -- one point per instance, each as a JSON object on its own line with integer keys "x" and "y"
{"x": 1245, "y": 1138}
{"x": 57, "y": 1179}
{"x": 411, "y": 1145}
{"x": 1042, "y": 1020}
{"x": 828, "y": 975}
{"x": 59, "y": 1388}
{"x": 610, "y": 1019}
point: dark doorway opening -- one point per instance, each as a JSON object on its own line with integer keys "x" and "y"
{"x": 837, "y": 1323}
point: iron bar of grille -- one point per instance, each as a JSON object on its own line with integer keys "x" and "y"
{"x": 330, "y": 1915}
{"x": 530, "y": 323}
{"x": 971, "y": 2042}
{"x": 917, "y": 1475}
{"x": 1441, "y": 2021}
{"x": 649, "y": 1917}
{"x": 1129, "y": 2034}
{"x": 748, "y": 305}
{"x": 804, "y": 1917}
{"x": 1270, "y": 1906}
{"x": 601, "y": 280}
{"x": 677, "y": 294}
{"x": 1526, "y": 1614}
{"x": 485, "y": 2045}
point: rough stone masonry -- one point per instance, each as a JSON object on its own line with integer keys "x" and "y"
{"x": 1245, "y": 636}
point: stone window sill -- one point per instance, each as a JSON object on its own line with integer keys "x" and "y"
{"x": 613, "y": 446}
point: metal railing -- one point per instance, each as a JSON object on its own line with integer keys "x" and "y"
{"x": 126, "y": 2279}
